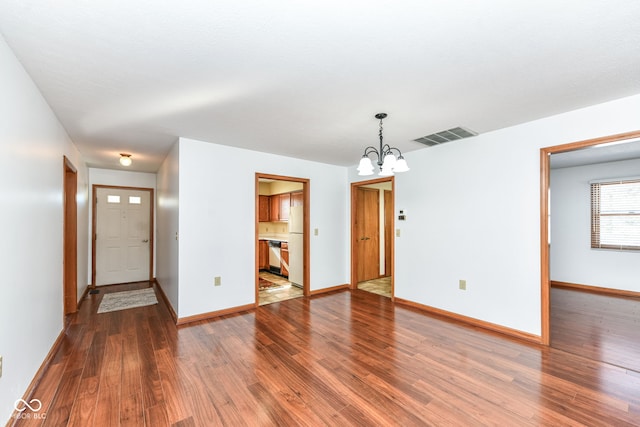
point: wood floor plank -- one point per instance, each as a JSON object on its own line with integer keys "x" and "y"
{"x": 345, "y": 358}
{"x": 156, "y": 416}
{"x": 60, "y": 408}
{"x": 83, "y": 410}
{"x": 149, "y": 376}
{"x": 131, "y": 410}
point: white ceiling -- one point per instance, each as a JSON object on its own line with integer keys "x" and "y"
{"x": 305, "y": 79}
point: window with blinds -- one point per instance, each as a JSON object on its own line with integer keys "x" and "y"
{"x": 615, "y": 214}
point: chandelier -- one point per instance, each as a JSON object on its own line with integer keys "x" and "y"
{"x": 386, "y": 160}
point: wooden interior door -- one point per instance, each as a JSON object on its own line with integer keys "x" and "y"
{"x": 367, "y": 234}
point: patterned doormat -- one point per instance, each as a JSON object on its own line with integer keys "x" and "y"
{"x": 127, "y": 299}
{"x": 264, "y": 284}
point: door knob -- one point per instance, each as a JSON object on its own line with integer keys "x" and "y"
{"x": 145, "y": 240}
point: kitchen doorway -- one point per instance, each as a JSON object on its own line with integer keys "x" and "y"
{"x": 372, "y": 242}
{"x": 282, "y": 238}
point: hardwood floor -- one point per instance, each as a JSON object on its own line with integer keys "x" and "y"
{"x": 600, "y": 327}
{"x": 345, "y": 358}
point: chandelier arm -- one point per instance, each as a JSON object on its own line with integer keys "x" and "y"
{"x": 390, "y": 149}
{"x": 370, "y": 149}
{"x": 384, "y": 150}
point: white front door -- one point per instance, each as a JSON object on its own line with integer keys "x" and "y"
{"x": 122, "y": 235}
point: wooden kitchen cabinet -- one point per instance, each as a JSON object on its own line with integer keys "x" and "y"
{"x": 263, "y": 255}
{"x": 280, "y": 206}
{"x": 297, "y": 199}
{"x": 264, "y": 208}
{"x": 285, "y": 206}
{"x": 284, "y": 257}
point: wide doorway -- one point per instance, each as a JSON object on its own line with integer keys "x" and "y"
{"x": 372, "y": 236}
{"x": 122, "y": 235}
{"x": 282, "y": 238}
{"x": 582, "y": 314}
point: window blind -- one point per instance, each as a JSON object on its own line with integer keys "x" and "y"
{"x": 615, "y": 214}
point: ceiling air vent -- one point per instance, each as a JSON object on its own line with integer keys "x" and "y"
{"x": 446, "y": 136}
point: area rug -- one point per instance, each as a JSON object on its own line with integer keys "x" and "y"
{"x": 127, "y": 299}
{"x": 264, "y": 285}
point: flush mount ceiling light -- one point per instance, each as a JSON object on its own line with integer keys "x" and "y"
{"x": 125, "y": 159}
{"x": 386, "y": 160}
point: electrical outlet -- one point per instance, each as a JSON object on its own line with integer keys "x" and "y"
{"x": 217, "y": 281}
{"x": 462, "y": 284}
{"x": 0, "y": 366}
{"x": 315, "y": 231}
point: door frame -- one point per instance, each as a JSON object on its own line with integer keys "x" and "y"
{"x": 354, "y": 247}
{"x": 94, "y": 218}
{"x": 70, "y": 237}
{"x": 306, "y": 239}
{"x": 545, "y": 185}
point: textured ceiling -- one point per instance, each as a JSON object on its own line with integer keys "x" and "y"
{"x": 305, "y": 79}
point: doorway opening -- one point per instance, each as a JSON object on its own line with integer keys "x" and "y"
{"x": 122, "y": 235}
{"x": 545, "y": 234}
{"x": 70, "y": 239}
{"x": 282, "y": 238}
{"x": 372, "y": 241}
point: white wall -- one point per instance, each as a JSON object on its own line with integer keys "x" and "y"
{"x": 217, "y": 223}
{"x": 32, "y": 146}
{"x": 167, "y": 226}
{"x": 572, "y": 259}
{"x": 122, "y": 179}
{"x": 473, "y": 211}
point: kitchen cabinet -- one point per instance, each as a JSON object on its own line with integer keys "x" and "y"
{"x": 263, "y": 255}
{"x": 264, "y": 208}
{"x": 280, "y": 206}
{"x": 285, "y": 206}
{"x": 297, "y": 199}
{"x": 284, "y": 256}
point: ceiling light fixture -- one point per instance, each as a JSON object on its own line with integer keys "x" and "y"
{"x": 125, "y": 159}
{"x": 386, "y": 160}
